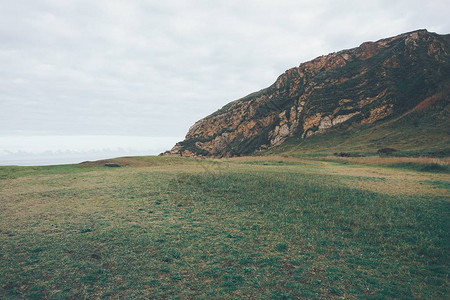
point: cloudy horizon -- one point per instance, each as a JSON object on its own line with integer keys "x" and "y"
{"x": 63, "y": 149}
{"x": 151, "y": 68}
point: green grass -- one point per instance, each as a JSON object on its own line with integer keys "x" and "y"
{"x": 428, "y": 167}
{"x": 181, "y": 228}
{"x": 438, "y": 183}
{"x": 12, "y": 172}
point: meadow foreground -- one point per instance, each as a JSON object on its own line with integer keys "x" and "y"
{"x": 272, "y": 227}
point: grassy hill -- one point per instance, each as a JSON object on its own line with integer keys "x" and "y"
{"x": 255, "y": 227}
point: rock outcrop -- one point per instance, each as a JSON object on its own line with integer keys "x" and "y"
{"x": 357, "y": 87}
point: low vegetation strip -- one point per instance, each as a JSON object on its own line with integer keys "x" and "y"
{"x": 220, "y": 229}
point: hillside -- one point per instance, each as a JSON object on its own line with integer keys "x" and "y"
{"x": 389, "y": 93}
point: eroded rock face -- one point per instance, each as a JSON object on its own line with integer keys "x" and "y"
{"x": 360, "y": 86}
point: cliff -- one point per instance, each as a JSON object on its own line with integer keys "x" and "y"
{"x": 375, "y": 82}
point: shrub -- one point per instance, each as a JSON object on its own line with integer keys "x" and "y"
{"x": 386, "y": 151}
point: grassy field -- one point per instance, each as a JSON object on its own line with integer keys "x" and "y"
{"x": 268, "y": 227}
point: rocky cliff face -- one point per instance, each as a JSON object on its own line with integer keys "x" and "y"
{"x": 351, "y": 88}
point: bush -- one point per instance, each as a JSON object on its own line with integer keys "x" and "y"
{"x": 112, "y": 165}
{"x": 386, "y": 151}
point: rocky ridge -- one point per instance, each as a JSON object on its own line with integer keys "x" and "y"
{"x": 351, "y": 88}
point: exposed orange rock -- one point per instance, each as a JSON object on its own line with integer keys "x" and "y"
{"x": 354, "y": 87}
{"x": 378, "y": 113}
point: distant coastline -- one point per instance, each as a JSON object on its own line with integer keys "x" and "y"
{"x": 51, "y": 150}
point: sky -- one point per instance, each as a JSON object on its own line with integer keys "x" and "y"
{"x": 153, "y": 68}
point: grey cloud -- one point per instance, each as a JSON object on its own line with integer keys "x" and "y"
{"x": 153, "y": 68}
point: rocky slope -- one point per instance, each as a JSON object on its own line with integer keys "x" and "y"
{"x": 359, "y": 87}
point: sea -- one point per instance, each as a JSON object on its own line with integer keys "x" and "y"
{"x": 42, "y": 150}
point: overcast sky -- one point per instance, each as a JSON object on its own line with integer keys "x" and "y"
{"x": 153, "y": 68}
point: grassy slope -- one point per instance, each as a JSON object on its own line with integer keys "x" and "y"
{"x": 414, "y": 133}
{"x": 248, "y": 227}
